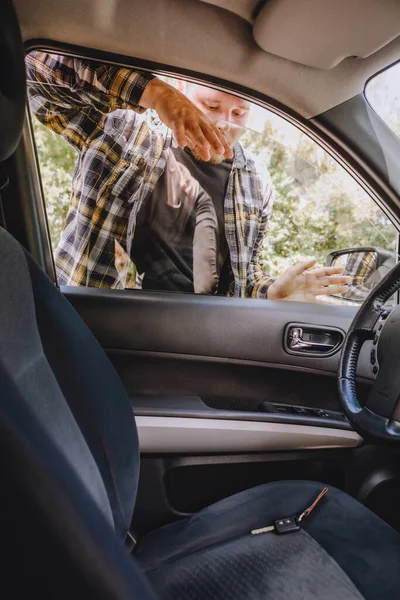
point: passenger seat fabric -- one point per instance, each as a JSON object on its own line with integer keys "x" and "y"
{"x": 353, "y": 536}
{"x": 280, "y": 567}
{"x": 22, "y": 355}
{"x": 71, "y": 384}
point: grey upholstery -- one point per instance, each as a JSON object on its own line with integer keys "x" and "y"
{"x": 23, "y": 357}
{"x": 347, "y": 547}
{"x": 270, "y": 566}
{"x": 68, "y": 446}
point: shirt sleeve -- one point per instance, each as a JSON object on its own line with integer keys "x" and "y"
{"x": 71, "y": 96}
{"x": 258, "y": 281}
{"x": 205, "y": 245}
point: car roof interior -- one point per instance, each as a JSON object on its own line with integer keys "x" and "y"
{"x": 276, "y": 48}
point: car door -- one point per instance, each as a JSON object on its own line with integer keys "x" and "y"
{"x": 227, "y": 392}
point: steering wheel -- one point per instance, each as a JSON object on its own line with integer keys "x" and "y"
{"x": 379, "y": 418}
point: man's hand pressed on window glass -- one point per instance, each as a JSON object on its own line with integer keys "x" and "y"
{"x": 303, "y": 284}
{"x": 185, "y": 120}
{"x": 122, "y": 156}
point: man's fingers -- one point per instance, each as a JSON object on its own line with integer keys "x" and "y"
{"x": 326, "y": 271}
{"x": 214, "y": 137}
{"x": 302, "y": 266}
{"x": 334, "y": 280}
{"x": 332, "y": 289}
{"x": 222, "y": 146}
{"x": 196, "y": 134}
{"x": 185, "y": 119}
{"x": 179, "y": 133}
{"x": 227, "y": 150}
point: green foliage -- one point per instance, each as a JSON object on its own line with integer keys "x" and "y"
{"x": 318, "y": 207}
{"x": 57, "y": 160}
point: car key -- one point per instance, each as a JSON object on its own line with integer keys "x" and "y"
{"x": 286, "y": 525}
{"x": 290, "y": 524}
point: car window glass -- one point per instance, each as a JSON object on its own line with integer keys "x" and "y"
{"x": 119, "y": 218}
{"x": 319, "y": 209}
{"x": 383, "y": 94}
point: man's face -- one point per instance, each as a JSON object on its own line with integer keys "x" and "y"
{"x": 229, "y": 112}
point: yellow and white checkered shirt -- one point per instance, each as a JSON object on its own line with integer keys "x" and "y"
{"x": 121, "y": 155}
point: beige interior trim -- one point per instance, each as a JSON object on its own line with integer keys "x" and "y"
{"x": 321, "y": 33}
{"x": 242, "y": 8}
{"x": 198, "y": 36}
{"x": 181, "y": 434}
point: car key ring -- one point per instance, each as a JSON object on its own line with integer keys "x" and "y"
{"x": 291, "y": 524}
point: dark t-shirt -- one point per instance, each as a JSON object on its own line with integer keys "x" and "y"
{"x": 214, "y": 180}
{"x": 179, "y": 242}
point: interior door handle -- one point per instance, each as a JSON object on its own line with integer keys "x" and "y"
{"x": 316, "y": 341}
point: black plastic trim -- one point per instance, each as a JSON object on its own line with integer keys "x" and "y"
{"x": 153, "y": 407}
{"x": 114, "y": 352}
{"x": 142, "y": 321}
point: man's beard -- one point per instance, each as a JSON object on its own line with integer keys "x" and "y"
{"x": 215, "y": 159}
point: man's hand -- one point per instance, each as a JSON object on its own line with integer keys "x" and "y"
{"x": 303, "y": 285}
{"x": 185, "y": 119}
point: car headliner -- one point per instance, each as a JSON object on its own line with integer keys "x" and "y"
{"x": 218, "y": 42}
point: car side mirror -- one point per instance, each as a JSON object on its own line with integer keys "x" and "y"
{"x": 366, "y": 265}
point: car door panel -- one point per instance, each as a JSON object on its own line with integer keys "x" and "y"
{"x": 228, "y": 352}
{"x": 226, "y": 328}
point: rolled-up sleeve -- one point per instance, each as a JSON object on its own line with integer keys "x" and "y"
{"x": 70, "y": 96}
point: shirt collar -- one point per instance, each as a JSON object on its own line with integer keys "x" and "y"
{"x": 242, "y": 159}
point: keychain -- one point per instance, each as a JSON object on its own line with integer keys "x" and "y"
{"x": 290, "y": 524}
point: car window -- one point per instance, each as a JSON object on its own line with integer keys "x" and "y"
{"x": 127, "y": 208}
{"x": 383, "y": 94}
{"x": 320, "y": 211}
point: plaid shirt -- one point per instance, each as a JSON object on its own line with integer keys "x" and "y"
{"x": 361, "y": 266}
{"x": 121, "y": 155}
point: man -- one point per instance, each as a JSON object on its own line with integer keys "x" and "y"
{"x": 121, "y": 178}
{"x": 175, "y": 247}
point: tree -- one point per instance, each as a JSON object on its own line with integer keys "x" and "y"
{"x": 56, "y": 160}
{"x": 318, "y": 207}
